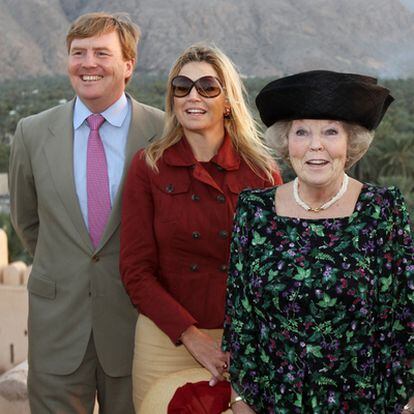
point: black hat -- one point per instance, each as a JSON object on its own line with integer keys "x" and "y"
{"x": 323, "y": 94}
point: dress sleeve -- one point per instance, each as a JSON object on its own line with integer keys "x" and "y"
{"x": 396, "y": 298}
{"x": 240, "y": 330}
{"x": 139, "y": 255}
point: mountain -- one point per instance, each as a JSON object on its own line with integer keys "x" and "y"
{"x": 263, "y": 37}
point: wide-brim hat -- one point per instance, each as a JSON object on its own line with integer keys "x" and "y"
{"x": 186, "y": 392}
{"x": 323, "y": 94}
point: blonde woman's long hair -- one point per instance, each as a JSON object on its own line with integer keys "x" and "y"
{"x": 240, "y": 126}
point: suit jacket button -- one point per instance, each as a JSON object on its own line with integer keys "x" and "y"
{"x": 223, "y": 268}
{"x": 223, "y": 234}
{"x": 95, "y": 258}
{"x": 194, "y": 267}
{"x": 196, "y": 235}
{"x": 169, "y": 188}
{"x": 220, "y": 198}
{"x": 195, "y": 197}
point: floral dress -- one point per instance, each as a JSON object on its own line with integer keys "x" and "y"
{"x": 319, "y": 312}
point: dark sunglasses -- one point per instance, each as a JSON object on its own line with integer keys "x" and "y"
{"x": 206, "y": 86}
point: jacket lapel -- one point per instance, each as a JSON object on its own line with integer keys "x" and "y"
{"x": 59, "y": 153}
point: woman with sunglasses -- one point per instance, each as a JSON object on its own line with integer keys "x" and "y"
{"x": 178, "y": 205}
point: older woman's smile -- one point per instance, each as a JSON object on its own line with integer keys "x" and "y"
{"x": 317, "y": 152}
{"x": 317, "y": 162}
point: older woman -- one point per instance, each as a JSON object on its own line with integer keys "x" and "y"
{"x": 178, "y": 206}
{"x": 320, "y": 290}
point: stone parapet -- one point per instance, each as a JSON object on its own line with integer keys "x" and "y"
{"x": 13, "y": 391}
{"x": 13, "y": 326}
{"x": 14, "y": 274}
{"x": 4, "y": 251}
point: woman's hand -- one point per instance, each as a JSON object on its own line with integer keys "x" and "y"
{"x": 206, "y": 351}
{"x": 240, "y": 407}
{"x": 409, "y": 407}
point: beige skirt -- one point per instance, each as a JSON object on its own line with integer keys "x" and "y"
{"x": 155, "y": 356}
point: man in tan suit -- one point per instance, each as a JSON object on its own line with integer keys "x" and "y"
{"x": 65, "y": 189}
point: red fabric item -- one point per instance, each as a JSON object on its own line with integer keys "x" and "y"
{"x": 200, "y": 398}
{"x": 175, "y": 235}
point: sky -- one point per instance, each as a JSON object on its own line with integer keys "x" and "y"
{"x": 409, "y": 4}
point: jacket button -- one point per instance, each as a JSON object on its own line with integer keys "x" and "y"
{"x": 169, "y": 188}
{"x": 223, "y": 268}
{"x": 95, "y": 258}
{"x": 196, "y": 235}
{"x": 195, "y": 197}
{"x": 220, "y": 198}
{"x": 223, "y": 234}
{"x": 194, "y": 267}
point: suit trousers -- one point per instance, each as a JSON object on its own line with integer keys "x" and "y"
{"x": 75, "y": 393}
{"x": 155, "y": 356}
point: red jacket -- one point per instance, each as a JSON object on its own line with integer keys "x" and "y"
{"x": 175, "y": 235}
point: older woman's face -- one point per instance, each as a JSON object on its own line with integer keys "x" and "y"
{"x": 317, "y": 151}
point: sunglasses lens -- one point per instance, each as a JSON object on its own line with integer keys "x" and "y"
{"x": 181, "y": 86}
{"x": 208, "y": 86}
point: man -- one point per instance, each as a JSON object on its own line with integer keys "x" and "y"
{"x": 66, "y": 173}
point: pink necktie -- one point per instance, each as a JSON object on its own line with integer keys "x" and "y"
{"x": 97, "y": 182}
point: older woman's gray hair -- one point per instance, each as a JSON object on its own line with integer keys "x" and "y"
{"x": 358, "y": 142}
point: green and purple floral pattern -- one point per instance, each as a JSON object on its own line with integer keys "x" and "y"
{"x": 319, "y": 313}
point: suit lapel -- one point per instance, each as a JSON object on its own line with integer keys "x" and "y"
{"x": 140, "y": 133}
{"x": 59, "y": 153}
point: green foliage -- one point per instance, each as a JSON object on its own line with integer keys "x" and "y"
{"x": 4, "y": 157}
{"x": 21, "y": 98}
{"x": 390, "y": 160}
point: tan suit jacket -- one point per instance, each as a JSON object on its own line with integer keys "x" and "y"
{"x": 73, "y": 289}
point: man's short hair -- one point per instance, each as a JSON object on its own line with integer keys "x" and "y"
{"x": 95, "y": 24}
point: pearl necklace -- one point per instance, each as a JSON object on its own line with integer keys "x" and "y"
{"x": 329, "y": 203}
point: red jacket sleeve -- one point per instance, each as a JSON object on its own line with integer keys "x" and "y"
{"x": 139, "y": 255}
{"x": 277, "y": 176}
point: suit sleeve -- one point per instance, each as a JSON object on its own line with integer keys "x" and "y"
{"x": 139, "y": 256}
{"x": 23, "y": 199}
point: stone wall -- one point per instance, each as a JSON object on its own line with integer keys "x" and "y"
{"x": 13, "y": 309}
{"x": 13, "y": 333}
{"x": 13, "y": 391}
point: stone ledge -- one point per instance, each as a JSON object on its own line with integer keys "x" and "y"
{"x": 13, "y": 391}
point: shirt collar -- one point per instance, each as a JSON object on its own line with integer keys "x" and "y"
{"x": 181, "y": 155}
{"x": 115, "y": 114}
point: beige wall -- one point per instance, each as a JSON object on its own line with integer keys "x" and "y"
{"x": 13, "y": 326}
{"x": 4, "y": 251}
{"x": 13, "y": 309}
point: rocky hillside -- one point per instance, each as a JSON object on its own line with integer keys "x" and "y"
{"x": 263, "y": 37}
